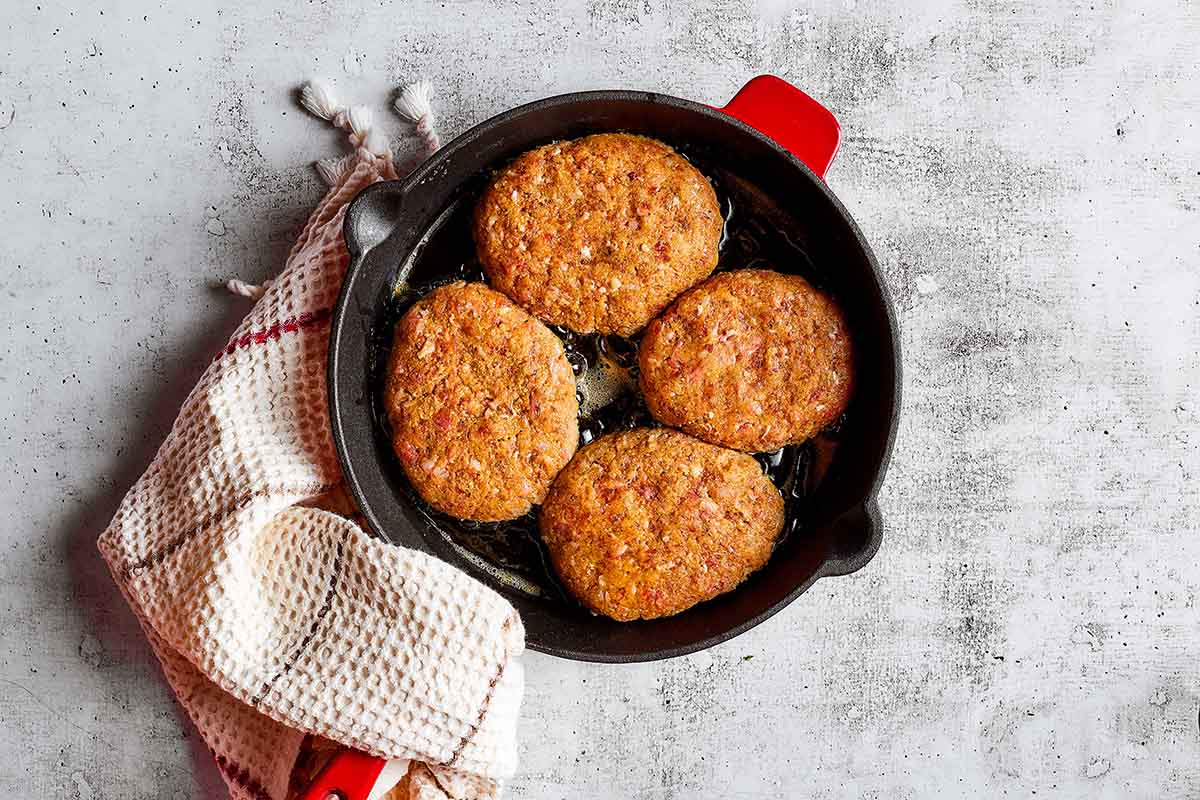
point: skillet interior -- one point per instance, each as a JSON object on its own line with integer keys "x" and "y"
{"x": 412, "y": 232}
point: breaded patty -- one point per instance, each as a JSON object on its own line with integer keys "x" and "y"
{"x": 649, "y": 522}
{"x": 599, "y": 233}
{"x": 750, "y": 359}
{"x": 482, "y": 403}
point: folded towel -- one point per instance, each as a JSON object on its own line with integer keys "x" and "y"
{"x": 274, "y": 618}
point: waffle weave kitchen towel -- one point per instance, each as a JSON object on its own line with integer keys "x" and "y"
{"x": 274, "y": 618}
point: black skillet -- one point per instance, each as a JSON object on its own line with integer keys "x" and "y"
{"x": 765, "y": 152}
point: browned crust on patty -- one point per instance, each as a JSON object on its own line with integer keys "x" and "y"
{"x": 649, "y": 522}
{"x": 481, "y": 399}
{"x": 750, "y": 359}
{"x": 599, "y": 233}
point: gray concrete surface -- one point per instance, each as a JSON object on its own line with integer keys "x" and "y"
{"x": 1028, "y": 175}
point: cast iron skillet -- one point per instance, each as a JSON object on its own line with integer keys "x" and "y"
{"x": 765, "y": 152}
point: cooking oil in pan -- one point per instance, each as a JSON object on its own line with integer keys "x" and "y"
{"x": 606, "y": 376}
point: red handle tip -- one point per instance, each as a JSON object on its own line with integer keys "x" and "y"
{"x": 797, "y": 123}
{"x": 351, "y": 775}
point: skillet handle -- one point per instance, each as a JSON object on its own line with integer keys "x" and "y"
{"x": 796, "y": 122}
{"x": 351, "y": 775}
{"x": 371, "y": 216}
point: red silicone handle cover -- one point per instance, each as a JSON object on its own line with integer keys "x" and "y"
{"x": 799, "y": 124}
{"x": 349, "y": 776}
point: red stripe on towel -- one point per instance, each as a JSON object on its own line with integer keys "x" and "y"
{"x": 309, "y": 319}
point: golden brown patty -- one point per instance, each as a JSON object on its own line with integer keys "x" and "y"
{"x": 647, "y": 523}
{"x": 599, "y": 233}
{"x": 482, "y": 403}
{"x": 750, "y": 359}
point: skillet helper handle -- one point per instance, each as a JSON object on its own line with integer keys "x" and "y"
{"x": 351, "y": 775}
{"x": 796, "y": 122}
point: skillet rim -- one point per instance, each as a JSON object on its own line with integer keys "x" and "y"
{"x": 867, "y": 506}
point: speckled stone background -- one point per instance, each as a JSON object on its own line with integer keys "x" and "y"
{"x": 1028, "y": 174}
